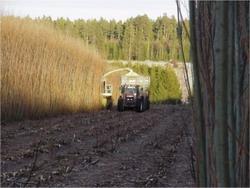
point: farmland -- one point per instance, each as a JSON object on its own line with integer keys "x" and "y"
{"x": 54, "y": 131}
{"x": 105, "y": 148}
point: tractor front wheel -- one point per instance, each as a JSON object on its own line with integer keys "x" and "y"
{"x": 120, "y": 105}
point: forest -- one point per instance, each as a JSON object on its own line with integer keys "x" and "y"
{"x": 138, "y": 38}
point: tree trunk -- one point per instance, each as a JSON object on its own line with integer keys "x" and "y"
{"x": 221, "y": 91}
{"x": 220, "y": 129}
{"x": 230, "y": 99}
{"x": 198, "y": 116}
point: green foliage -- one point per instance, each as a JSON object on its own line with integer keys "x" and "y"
{"x": 138, "y": 38}
{"x": 164, "y": 86}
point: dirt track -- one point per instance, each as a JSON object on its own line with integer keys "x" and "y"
{"x": 105, "y": 148}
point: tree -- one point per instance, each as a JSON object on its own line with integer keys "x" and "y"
{"x": 128, "y": 40}
{"x": 220, "y": 56}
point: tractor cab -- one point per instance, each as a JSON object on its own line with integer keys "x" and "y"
{"x": 129, "y": 90}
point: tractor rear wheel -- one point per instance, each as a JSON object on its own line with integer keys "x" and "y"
{"x": 140, "y": 105}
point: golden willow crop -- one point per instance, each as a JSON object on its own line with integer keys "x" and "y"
{"x": 44, "y": 72}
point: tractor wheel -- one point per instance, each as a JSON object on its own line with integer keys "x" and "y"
{"x": 120, "y": 105}
{"x": 140, "y": 105}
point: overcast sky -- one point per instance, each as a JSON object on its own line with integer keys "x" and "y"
{"x": 88, "y": 9}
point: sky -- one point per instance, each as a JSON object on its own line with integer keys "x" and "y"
{"x": 90, "y": 9}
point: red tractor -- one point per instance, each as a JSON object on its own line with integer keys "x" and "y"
{"x": 134, "y": 92}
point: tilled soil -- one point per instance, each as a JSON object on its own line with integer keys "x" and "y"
{"x": 106, "y": 148}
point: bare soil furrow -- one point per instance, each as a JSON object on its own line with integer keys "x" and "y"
{"x": 105, "y": 148}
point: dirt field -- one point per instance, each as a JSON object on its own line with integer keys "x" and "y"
{"x": 105, "y": 148}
